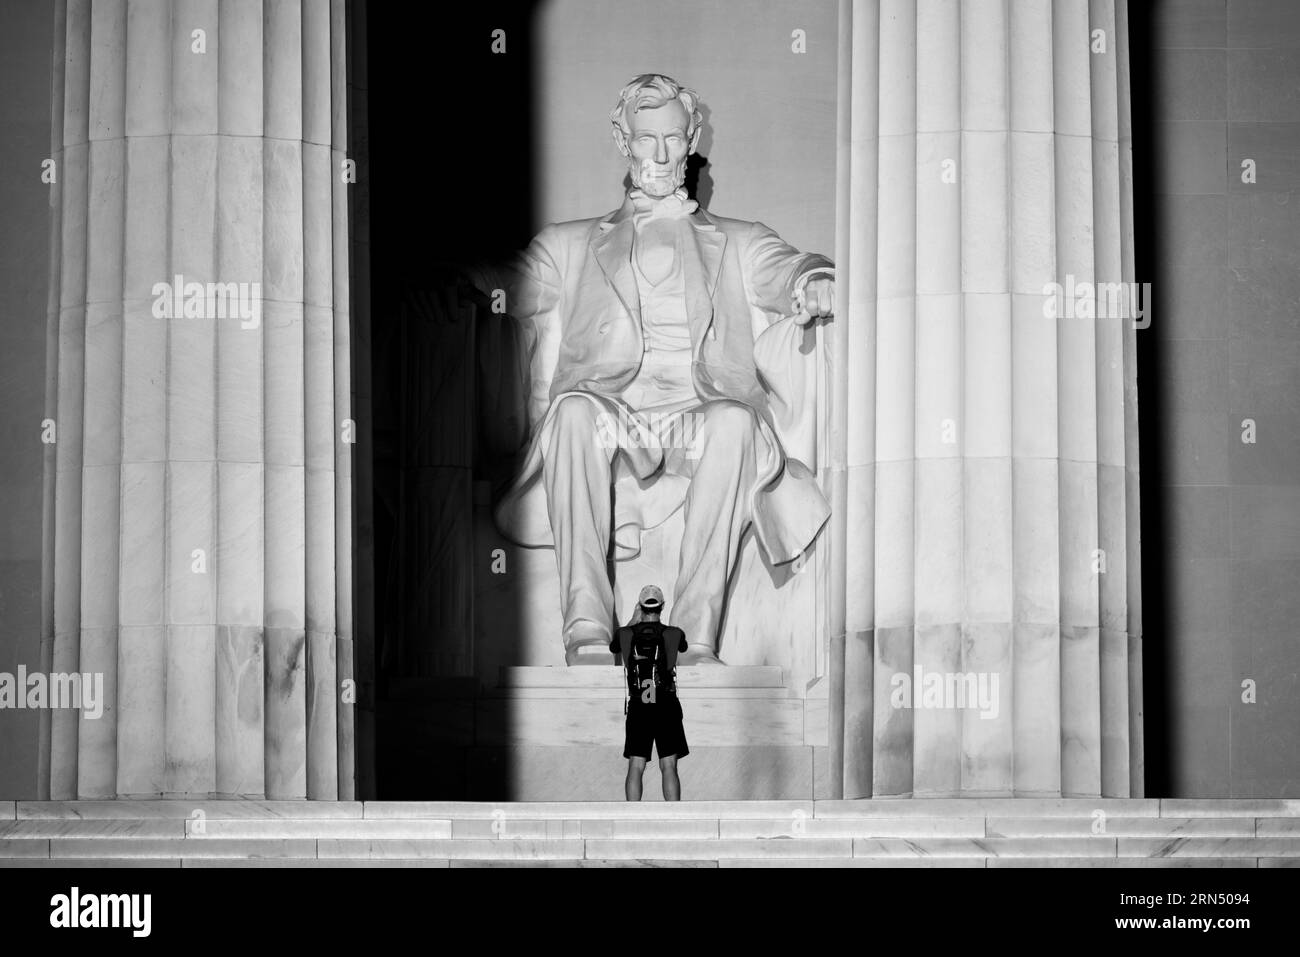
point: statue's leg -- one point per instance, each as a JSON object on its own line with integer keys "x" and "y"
{"x": 577, "y": 475}
{"x": 723, "y": 468}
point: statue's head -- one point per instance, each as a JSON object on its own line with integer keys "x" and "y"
{"x": 657, "y": 125}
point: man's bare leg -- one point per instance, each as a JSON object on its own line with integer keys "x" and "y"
{"x": 672, "y": 784}
{"x": 632, "y": 786}
{"x": 716, "y": 514}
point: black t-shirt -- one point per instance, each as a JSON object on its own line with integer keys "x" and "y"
{"x": 646, "y": 659}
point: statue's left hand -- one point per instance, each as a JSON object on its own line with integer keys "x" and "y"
{"x": 818, "y": 299}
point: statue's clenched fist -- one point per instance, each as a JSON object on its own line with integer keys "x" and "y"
{"x": 818, "y": 300}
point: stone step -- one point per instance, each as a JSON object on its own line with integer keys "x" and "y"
{"x": 1209, "y": 847}
{"x": 1081, "y": 808}
{"x": 112, "y": 862}
{"x": 129, "y": 808}
{"x": 505, "y": 822}
{"x": 434, "y": 862}
{"x": 111, "y": 847}
{"x": 688, "y": 848}
{"x": 1122, "y": 827}
{"x": 1229, "y": 807}
{"x": 1127, "y": 862}
{"x": 1012, "y": 807}
{"x": 46, "y": 828}
{"x": 1276, "y": 817}
{"x": 890, "y": 862}
{"x": 587, "y": 810}
{"x": 690, "y": 676}
{"x": 983, "y": 832}
{"x": 584, "y": 863}
{"x": 886, "y": 862}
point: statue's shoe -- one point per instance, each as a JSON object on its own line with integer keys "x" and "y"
{"x": 587, "y": 647}
{"x": 699, "y": 655}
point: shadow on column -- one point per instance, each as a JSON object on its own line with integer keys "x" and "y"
{"x": 1151, "y": 367}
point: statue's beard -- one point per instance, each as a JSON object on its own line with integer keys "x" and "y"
{"x": 644, "y": 178}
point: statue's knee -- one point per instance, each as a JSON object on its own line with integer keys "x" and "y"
{"x": 729, "y": 414}
{"x": 575, "y": 410}
{"x": 578, "y": 419}
{"x": 729, "y": 422}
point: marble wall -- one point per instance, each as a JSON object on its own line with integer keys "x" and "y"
{"x": 1225, "y": 88}
{"x": 769, "y": 112}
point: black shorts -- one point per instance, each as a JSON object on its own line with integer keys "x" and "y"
{"x": 659, "y": 724}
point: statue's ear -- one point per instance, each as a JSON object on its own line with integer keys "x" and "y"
{"x": 620, "y": 139}
{"x": 695, "y": 138}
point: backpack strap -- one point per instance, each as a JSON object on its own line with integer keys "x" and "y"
{"x": 658, "y": 649}
{"x": 624, "y": 638}
{"x": 673, "y": 641}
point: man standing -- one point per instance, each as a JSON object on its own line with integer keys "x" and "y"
{"x": 652, "y": 355}
{"x": 649, "y": 651}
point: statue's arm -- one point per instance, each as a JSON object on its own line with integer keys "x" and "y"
{"x": 535, "y": 281}
{"x": 777, "y": 273}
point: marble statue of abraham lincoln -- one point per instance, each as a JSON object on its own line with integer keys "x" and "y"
{"x": 669, "y": 361}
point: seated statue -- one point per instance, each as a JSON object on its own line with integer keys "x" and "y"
{"x": 671, "y": 362}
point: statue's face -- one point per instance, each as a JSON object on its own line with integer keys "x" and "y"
{"x": 658, "y": 147}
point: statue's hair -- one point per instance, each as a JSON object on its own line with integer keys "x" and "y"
{"x": 654, "y": 90}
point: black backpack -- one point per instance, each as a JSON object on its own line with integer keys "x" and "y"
{"x": 649, "y": 651}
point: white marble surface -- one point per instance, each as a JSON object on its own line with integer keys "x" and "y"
{"x": 182, "y": 808}
{"x": 1083, "y": 826}
{"x": 598, "y": 810}
{"x": 990, "y": 832}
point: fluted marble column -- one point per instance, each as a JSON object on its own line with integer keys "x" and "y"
{"x": 201, "y": 533}
{"x": 984, "y": 468}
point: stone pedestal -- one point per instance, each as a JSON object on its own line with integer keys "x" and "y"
{"x": 556, "y": 733}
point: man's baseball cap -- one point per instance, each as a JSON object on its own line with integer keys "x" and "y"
{"x": 651, "y": 598}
